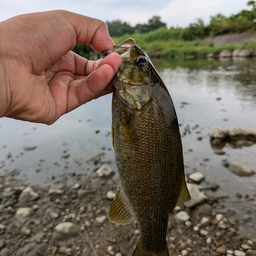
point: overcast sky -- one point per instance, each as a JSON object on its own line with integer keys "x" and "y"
{"x": 173, "y": 12}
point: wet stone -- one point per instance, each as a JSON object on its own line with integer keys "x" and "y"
{"x": 239, "y": 253}
{"x": 196, "y": 177}
{"x": 104, "y": 171}
{"x": 28, "y": 194}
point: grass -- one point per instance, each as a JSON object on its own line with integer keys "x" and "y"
{"x": 167, "y": 43}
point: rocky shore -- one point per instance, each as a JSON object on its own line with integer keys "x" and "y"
{"x": 72, "y": 220}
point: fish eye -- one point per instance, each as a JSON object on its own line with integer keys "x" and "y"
{"x": 142, "y": 63}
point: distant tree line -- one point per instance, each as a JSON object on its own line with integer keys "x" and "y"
{"x": 244, "y": 20}
{"x": 119, "y": 28}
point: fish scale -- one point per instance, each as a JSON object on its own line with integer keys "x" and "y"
{"x": 148, "y": 150}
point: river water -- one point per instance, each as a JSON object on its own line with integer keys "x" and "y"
{"x": 205, "y": 92}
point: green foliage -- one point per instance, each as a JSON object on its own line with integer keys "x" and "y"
{"x": 196, "y": 30}
{"x": 119, "y": 28}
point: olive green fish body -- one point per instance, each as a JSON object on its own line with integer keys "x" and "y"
{"x": 148, "y": 151}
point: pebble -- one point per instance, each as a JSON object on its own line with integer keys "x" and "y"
{"x": 184, "y": 252}
{"x": 209, "y": 240}
{"x": 23, "y": 213}
{"x": 54, "y": 215}
{"x": 81, "y": 193}
{"x": 205, "y": 221}
{"x": 218, "y": 217}
{"x": 25, "y": 231}
{"x": 203, "y": 232}
{"x": 65, "y": 229}
{"x": 182, "y": 216}
{"x": 111, "y": 195}
{"x": 222, "y": 249}
{"x": 239, "y": 253}
{"x": 28, "y": 194}
{"x": 104, "y": 171}
{"x": 2, "y": 227}
{"x": 196, "y": 177}
{"x": 55, "y": 191}
{"x": 101, "y": 219}
{"x": 240, "y": 170}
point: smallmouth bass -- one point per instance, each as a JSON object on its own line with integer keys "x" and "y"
{"x": 148, "y": 150}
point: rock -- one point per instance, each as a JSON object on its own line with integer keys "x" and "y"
{"x": 27, "y": 195}
{"x": 235, "y": 133}
{"x": 236, "y": 53}
{"x": 225, "y": 54}
{"x": 2, "y": 227}
{"x": 104, "y": 171}
{"x": 239, "y": 253}
{"x": 182, "y": 216}
{"x": 202, "y": 210}
{"x": 65, "y": 230}
{"x": 81, "y": 193}
{"x": 196, "y": 177}
{"x": 110, "y": 195}
{"x": 55, "y": 191}
{"x": 101, "y": 219}
{"x": 251, "y": 252}
{"x": 216, "y": 132}
{"x": 245, "y": 53}
{"x": 54, "y": 215}
{"x": 2, "y": 243}
{"x": 205, "y": 221}
{"x": 76, "y": 186}
{"x": 222, "y": 249}
{"x": 25, "y": 231}
{"x": 239, "y": 169}
{"x": 197, "y": 196}
{"x": 203, "y": 232}
{"x": 23, "y": 214}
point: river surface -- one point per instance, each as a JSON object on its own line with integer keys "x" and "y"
{"x": 204, "y": 92}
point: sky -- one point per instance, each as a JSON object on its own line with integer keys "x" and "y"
{"x": 176, "y": 13}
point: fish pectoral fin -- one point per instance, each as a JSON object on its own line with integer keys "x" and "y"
{"x": 120, "y": 210}
{"x": 184, "y": 193}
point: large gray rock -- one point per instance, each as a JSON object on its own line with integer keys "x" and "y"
{"x": 225, "y": 54}
{"x": 242, "y": 53}
{"x": 236, "y": 133}
{"x": 216, "y": 132}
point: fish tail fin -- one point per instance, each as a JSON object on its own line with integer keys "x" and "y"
{"x": 142, "y": 251}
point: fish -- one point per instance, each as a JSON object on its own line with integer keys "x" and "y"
{"x": 148, "y": 150}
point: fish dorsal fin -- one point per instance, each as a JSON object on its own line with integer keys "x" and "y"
{"x": 119, "y": 210}
{"x": 184, "y": 194}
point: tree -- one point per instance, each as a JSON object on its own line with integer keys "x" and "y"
{"x": 119, "y": 28}
{"x": 155, "y": 23}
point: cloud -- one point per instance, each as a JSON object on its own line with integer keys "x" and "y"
{"x": 182, "y": 13}
{"x": 173, "y": 12}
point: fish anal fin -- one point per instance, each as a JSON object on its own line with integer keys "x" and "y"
{"x": 184, "y": 193}
{"x": 120, "y": 210}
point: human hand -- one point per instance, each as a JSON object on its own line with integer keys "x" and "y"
{"x": 40, "y": 78}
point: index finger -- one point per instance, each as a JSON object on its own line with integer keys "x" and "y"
{"x": 90, "y": 31}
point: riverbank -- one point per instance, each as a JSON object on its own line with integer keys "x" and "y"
{"x": 157, "y": 46}
{"x": 72, "y": 220}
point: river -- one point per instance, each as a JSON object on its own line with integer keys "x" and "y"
{"x": 205, "y": 92}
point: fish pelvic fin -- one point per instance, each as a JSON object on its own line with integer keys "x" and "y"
{"x": 184, "y": 193}
{"x": 141, "y": 251}
{"x": 120, "y": 210}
